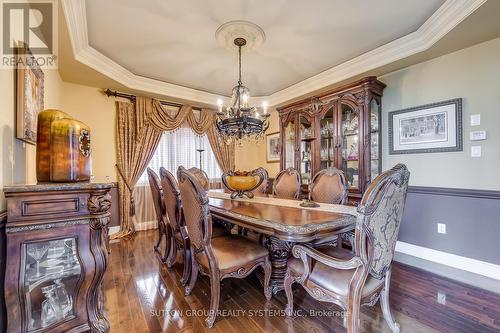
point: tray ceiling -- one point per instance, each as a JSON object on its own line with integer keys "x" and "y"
{"x": 174, "y": 42}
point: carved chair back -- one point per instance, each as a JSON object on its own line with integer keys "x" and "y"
{"x": 329, "y": 186}
{"x": 156, "y": 192}
{"x": 379, "y": 218}
{"x": 195, "y": 207}
{"x": 201, "y": 176}
{"x": 287, "y": 184}
{"x": 171, "y": 198}
{"x": 262, "y": 188}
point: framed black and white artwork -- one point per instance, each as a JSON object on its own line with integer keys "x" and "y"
{"x": 430, "y": 128}
{"x": 273, "y": 147}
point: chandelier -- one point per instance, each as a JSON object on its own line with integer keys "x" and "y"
{"x": 239, "y": 120}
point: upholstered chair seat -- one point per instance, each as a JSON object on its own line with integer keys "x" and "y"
{"x": 334, "y": 280}
{"x": 233, "y": 252}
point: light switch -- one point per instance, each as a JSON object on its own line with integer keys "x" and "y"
{"x": 475, "y": 120}
{"x": 477, "y": 135}
{"x": 475, "y": 151}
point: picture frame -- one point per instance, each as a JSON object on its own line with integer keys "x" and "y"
{"x": 273, "y": 147}
{"x": 29, "y": 95}
{"x": 430, "y": 128}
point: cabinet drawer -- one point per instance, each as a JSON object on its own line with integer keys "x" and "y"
{"x": 47, "y": 206}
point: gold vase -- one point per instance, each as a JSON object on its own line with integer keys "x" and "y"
{"x": 242, "y": 183}
{"x": 45, "y": 119}
{"x": 70, "y": 153}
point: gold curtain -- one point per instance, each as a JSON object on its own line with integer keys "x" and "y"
{"x": 224, "y": 153}
{"x": 139, "y": 129}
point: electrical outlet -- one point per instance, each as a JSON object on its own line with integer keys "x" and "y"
{"x": 441, "y": 297}
{"x": 441, "y": 228}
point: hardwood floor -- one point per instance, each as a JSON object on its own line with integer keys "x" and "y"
{"x": 141, "y": 295}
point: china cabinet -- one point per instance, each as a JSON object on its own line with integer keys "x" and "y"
{"x": 56, "y": 256}
{"x": 340, "y": 128}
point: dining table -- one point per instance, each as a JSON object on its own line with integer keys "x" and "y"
{"x": 282, "y": 223}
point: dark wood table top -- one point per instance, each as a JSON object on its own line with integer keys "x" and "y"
{"x": 287, "y": 223}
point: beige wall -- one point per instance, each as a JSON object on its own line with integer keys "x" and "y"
{"x": 18, "y": 158}
{"x": 84, "y": 103}
{"x": 91, "y": 106}
{"x": 251, "y": 155}
{"x": 472, "y": 74}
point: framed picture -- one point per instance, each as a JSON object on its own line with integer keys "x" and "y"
{"x": 29, "y": 95}
{"x": 428, "y": 128}
{"x": 273, "y": 147}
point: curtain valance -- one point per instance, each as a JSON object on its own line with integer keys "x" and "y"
{"x": 139, "y": 127}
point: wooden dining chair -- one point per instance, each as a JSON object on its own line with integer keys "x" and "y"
{"x": 287, "y": 184}
{"x": 349, "y": 280}
{"x": 156, "y": 192}
{"x": 177, "y": 237}
{"x": 329, "y": 186}
{"x": 223, "y": 257}
{"x": 201, "y": 176}
{"x": 176, "y": 232}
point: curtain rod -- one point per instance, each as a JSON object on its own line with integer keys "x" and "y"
{"x": 108, "y": 92}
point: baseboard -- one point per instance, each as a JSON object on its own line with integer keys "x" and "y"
{"x": 451, "y": 273}
{"x": 474, "y": 266}
{"x": 146, "y": 225}
{"x": 114, "y": 229}
{"x": 138, "y": 227}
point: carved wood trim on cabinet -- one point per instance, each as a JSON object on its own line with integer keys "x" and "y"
{"x": 358, "y": 96}
{"x": 70, "y": 223}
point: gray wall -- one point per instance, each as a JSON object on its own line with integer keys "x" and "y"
{"x": 472, "y": 223}
{"x": 474, "y": 75}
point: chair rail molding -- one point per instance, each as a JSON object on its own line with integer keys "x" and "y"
{"x": 448, "y": 16}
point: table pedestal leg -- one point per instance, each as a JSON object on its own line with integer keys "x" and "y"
{"x": 279, "y": 252}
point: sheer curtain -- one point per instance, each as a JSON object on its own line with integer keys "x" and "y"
{"x": 178, "y": 147}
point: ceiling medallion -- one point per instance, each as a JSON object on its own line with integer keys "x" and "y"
{"x": 251, "y": 32}
{"x": 239, "y": 120}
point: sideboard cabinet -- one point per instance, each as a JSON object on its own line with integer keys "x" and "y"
{"x": 340, "y": 128}
{"x": 56, "y": 249}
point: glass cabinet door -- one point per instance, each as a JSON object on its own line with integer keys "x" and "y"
{"x": 349, "y": 135}
{"x": 50, "y": 276}
{"x": 327, "y": 135}
{"x": 306, "y": 138}
{"x": 290, "y": 145}
{"x": 375, "y": 165}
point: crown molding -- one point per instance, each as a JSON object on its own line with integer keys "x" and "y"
{"x": 447, "y": 17}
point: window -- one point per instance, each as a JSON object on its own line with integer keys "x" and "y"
{"x": 178, "y": 148}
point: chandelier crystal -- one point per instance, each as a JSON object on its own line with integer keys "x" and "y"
{"x": 239, "y": 120}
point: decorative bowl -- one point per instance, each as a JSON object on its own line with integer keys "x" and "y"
{"x": 242, "y": 183}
